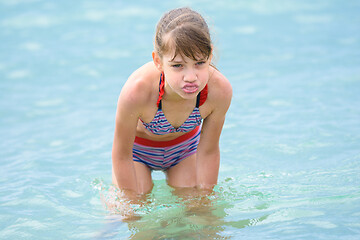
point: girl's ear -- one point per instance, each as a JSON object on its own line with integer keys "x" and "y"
{"x": 157, "y": 61}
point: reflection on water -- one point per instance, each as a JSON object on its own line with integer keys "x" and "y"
{"x": 184, "y": 213}
{"x": 300, "y": 201}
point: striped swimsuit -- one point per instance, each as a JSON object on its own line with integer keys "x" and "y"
{"x": 161, "y": 155}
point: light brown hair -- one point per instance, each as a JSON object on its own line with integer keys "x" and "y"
{"x": 186, "y": 31}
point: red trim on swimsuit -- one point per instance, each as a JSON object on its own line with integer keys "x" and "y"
{"x": 151, "y": 143}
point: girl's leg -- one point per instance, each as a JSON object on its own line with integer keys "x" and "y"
{"x": 183, "y": 175}
{"x": 143, "y": 177}
{"x": 144, "y": 185}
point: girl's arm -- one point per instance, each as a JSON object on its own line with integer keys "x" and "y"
{"x": 127, "y": 116}
{"x": 208, "y": 152}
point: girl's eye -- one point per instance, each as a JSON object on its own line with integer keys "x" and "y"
{"x": 177, "y": 66}
{"x": 200, "y": 63}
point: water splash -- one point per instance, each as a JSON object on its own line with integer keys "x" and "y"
{"x": 189, "y": 213}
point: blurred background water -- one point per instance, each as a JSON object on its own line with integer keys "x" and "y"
{"x": 290, "y": 146}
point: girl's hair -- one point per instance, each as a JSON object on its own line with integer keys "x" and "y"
{"x": 186, "y": 31}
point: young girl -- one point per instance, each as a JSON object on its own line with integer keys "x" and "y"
{"x": 171, "y": 111}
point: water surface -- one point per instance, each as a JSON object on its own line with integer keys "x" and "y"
{"x": 290, "y": 147}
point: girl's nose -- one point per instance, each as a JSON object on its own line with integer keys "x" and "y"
{"x": 190, "y": 75}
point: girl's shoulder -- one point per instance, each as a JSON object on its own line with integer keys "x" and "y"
{"x": 144, "y": 77}
{"x": 219, "y": 88}
{"x": 142, "y": 85}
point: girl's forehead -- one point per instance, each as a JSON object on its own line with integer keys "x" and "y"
{"x": 171, "y": 57}
{"x": 176, "y": 58}
{"x": 184, "y": 48}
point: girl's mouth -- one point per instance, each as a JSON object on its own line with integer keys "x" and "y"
{"x": 190, "y": 88}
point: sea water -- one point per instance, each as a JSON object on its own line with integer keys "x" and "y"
{"x": 290, "y": 147}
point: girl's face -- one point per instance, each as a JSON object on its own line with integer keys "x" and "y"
{"x": 184, "y": 76}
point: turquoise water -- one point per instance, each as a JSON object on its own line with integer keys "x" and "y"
{"x": 290, "y": 146}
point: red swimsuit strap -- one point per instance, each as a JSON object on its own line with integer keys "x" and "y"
{"x": 203, "y": 95}
{"x": 202, "y": 98}
{"x": 161, "y": 88}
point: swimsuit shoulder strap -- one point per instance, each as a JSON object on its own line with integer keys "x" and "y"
{"x": 161, "y": 90}
{"x": 202, "y": 96}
